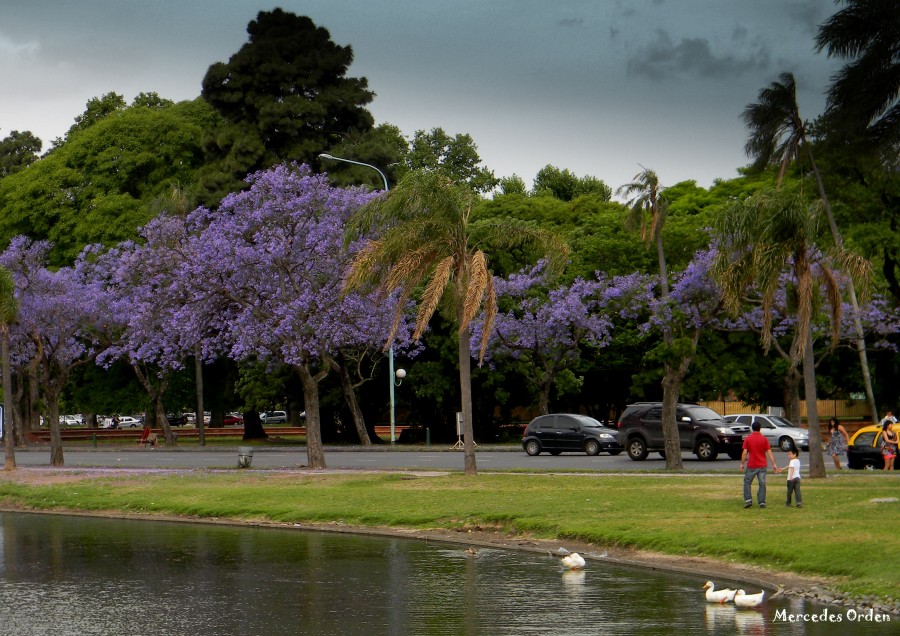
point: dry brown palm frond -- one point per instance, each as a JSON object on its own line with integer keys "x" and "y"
{"x": 490, "y": 313}
{"x": 805, "y": 297}
{"x": 477, "y": 281}
{"x": 363, "y": 266}
{"x": 407, "y": 271}
{"x": 833, "y": 294}
{"x": 398, "y": 316}
{"x": 434, "y": 291}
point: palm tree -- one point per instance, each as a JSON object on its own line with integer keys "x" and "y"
{"x": 762, "y": 237}
{"x": 865, "y": 94}
{"x": 427, "y": 237}
{"x": 9, "y": 310}
{"x": 778, "y": 135}
{"x": 647, "y": 210}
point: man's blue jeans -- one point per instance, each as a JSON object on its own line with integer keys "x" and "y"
{"x": 760, "y": 475}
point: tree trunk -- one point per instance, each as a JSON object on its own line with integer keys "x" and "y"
{"x": 9, "y": 449}
{"x": 200, "y": 421}
{"x": 465, "y": 387}
{"x": 315, "y": 453}
{"x": 253, "y": 428}
{"x": 56, "y": 449}
{"x": 792, "y": 381}
{"x": 156, "y": 395}
{"x": 359, "y": 419}
{"x": 816, "y": 462}
{"x": 671, "y": 389}
{"x": 854, "y": 302}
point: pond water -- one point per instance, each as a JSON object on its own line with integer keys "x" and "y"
{"x": 64, "y": 575}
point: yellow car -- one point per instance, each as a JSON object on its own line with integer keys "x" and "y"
{"x": 865, "y": 448}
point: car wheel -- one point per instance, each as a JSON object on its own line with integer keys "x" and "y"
{"x": 533, "y": 447}
{"x": 615, "y": 452}
{"x": 735, "y": 454}
{"x": 706, "y": 449}
{"x": 637, "y": 449}
{"x": 786, "y": 444}
{"x": 555, "y": 453}
{"x": 592, "y": 447}
{"x": 662, "y": 454}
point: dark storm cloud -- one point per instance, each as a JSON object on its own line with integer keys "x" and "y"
{"x": 691, "y": 57}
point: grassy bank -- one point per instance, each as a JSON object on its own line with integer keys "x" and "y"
{"x": 840, "y": 534}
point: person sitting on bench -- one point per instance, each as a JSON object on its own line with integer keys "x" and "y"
{"x": 147, "y": 437}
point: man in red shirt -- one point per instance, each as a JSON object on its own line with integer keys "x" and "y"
{"x": 754, "y": 464}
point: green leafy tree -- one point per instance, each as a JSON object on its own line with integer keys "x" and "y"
{"x": 97, "y": 109}
{"x": 762, "y": 237}
{"x": 17, "y": 151}
{"x": 100, "y": 185}
{"x": 565, "y": 186}
{"x": 426, "y": 238}
{"x": 864, "y": 96}
{"x": 284, "y": 96}
{"x": 457, "y": 157}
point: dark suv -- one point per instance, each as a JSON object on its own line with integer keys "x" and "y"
{"x": 562, "y": 432}
{"x": 701, "y": 430}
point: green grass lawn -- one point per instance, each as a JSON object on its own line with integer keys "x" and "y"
{"x": 840, "y": 533}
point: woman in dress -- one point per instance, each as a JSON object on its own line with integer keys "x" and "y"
{"x": 837, "y": 443}
{"x": 889, "y": 445}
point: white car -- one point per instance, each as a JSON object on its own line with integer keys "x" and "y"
{"x": 780, "y": 432}
{"x": 129, "y": 422}
{"x": 70, "y": 420}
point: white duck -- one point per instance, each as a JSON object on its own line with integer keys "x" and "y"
{"x": 718, "y": 596}
{"x": 571, "y": 560}
{"x": 742, "y": 599}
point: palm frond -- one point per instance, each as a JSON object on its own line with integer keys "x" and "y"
{"x": 433, "y": 293}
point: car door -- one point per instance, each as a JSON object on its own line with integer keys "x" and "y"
{"x": 546, "y": 432}
{"x": 570, "y": 434}
{"x": 686, "y": 428}
{"x": 652, "y": 424}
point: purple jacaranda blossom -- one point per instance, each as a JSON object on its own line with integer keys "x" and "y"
{"x": 271, "y": 260}
{"x": 55, "y": 331}
{"x": 547, "y": 328}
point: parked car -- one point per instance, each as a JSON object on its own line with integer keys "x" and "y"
{"x": 780, "y": 432}
{"x": 231, "y": 419}
{"x": 176, "y": 419}
{"x": 126, "y": 421}
{"x": 274, "y": 417}
{"x": 701, "y": 431}
{"x": 71, "y": 420}
{"x": 864, "y": 450}
{"x": 568, "y": 432}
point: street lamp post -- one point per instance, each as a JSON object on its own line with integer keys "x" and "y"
{"x": 400, "y": 374}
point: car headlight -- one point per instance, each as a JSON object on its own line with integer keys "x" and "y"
{"x": 724, "y": 430}
{"x": 606, "y": 436}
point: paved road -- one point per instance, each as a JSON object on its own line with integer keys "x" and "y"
{"x": 437, "y": 459}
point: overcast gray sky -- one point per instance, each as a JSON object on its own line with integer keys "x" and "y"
{"x": 600, "y": 87}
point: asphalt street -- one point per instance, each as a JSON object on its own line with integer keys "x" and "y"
{"x": 438, "y": 458}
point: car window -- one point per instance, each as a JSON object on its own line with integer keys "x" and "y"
{"x": 777, "y": 420}
{"x": 587, "y": 422}
{"x": 764, "y": 423}
{"x": 702, "y": 413}
{"x": 743, "y": 419}
{"x": 654, "y": 414}
{"x": 865, "y": 439}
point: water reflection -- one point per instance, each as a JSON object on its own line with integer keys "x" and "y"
{"x": 70, "y": 575}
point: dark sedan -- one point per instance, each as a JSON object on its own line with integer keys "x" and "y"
{"x": 865, "y": 449}
{"x": 568, "y": 432}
